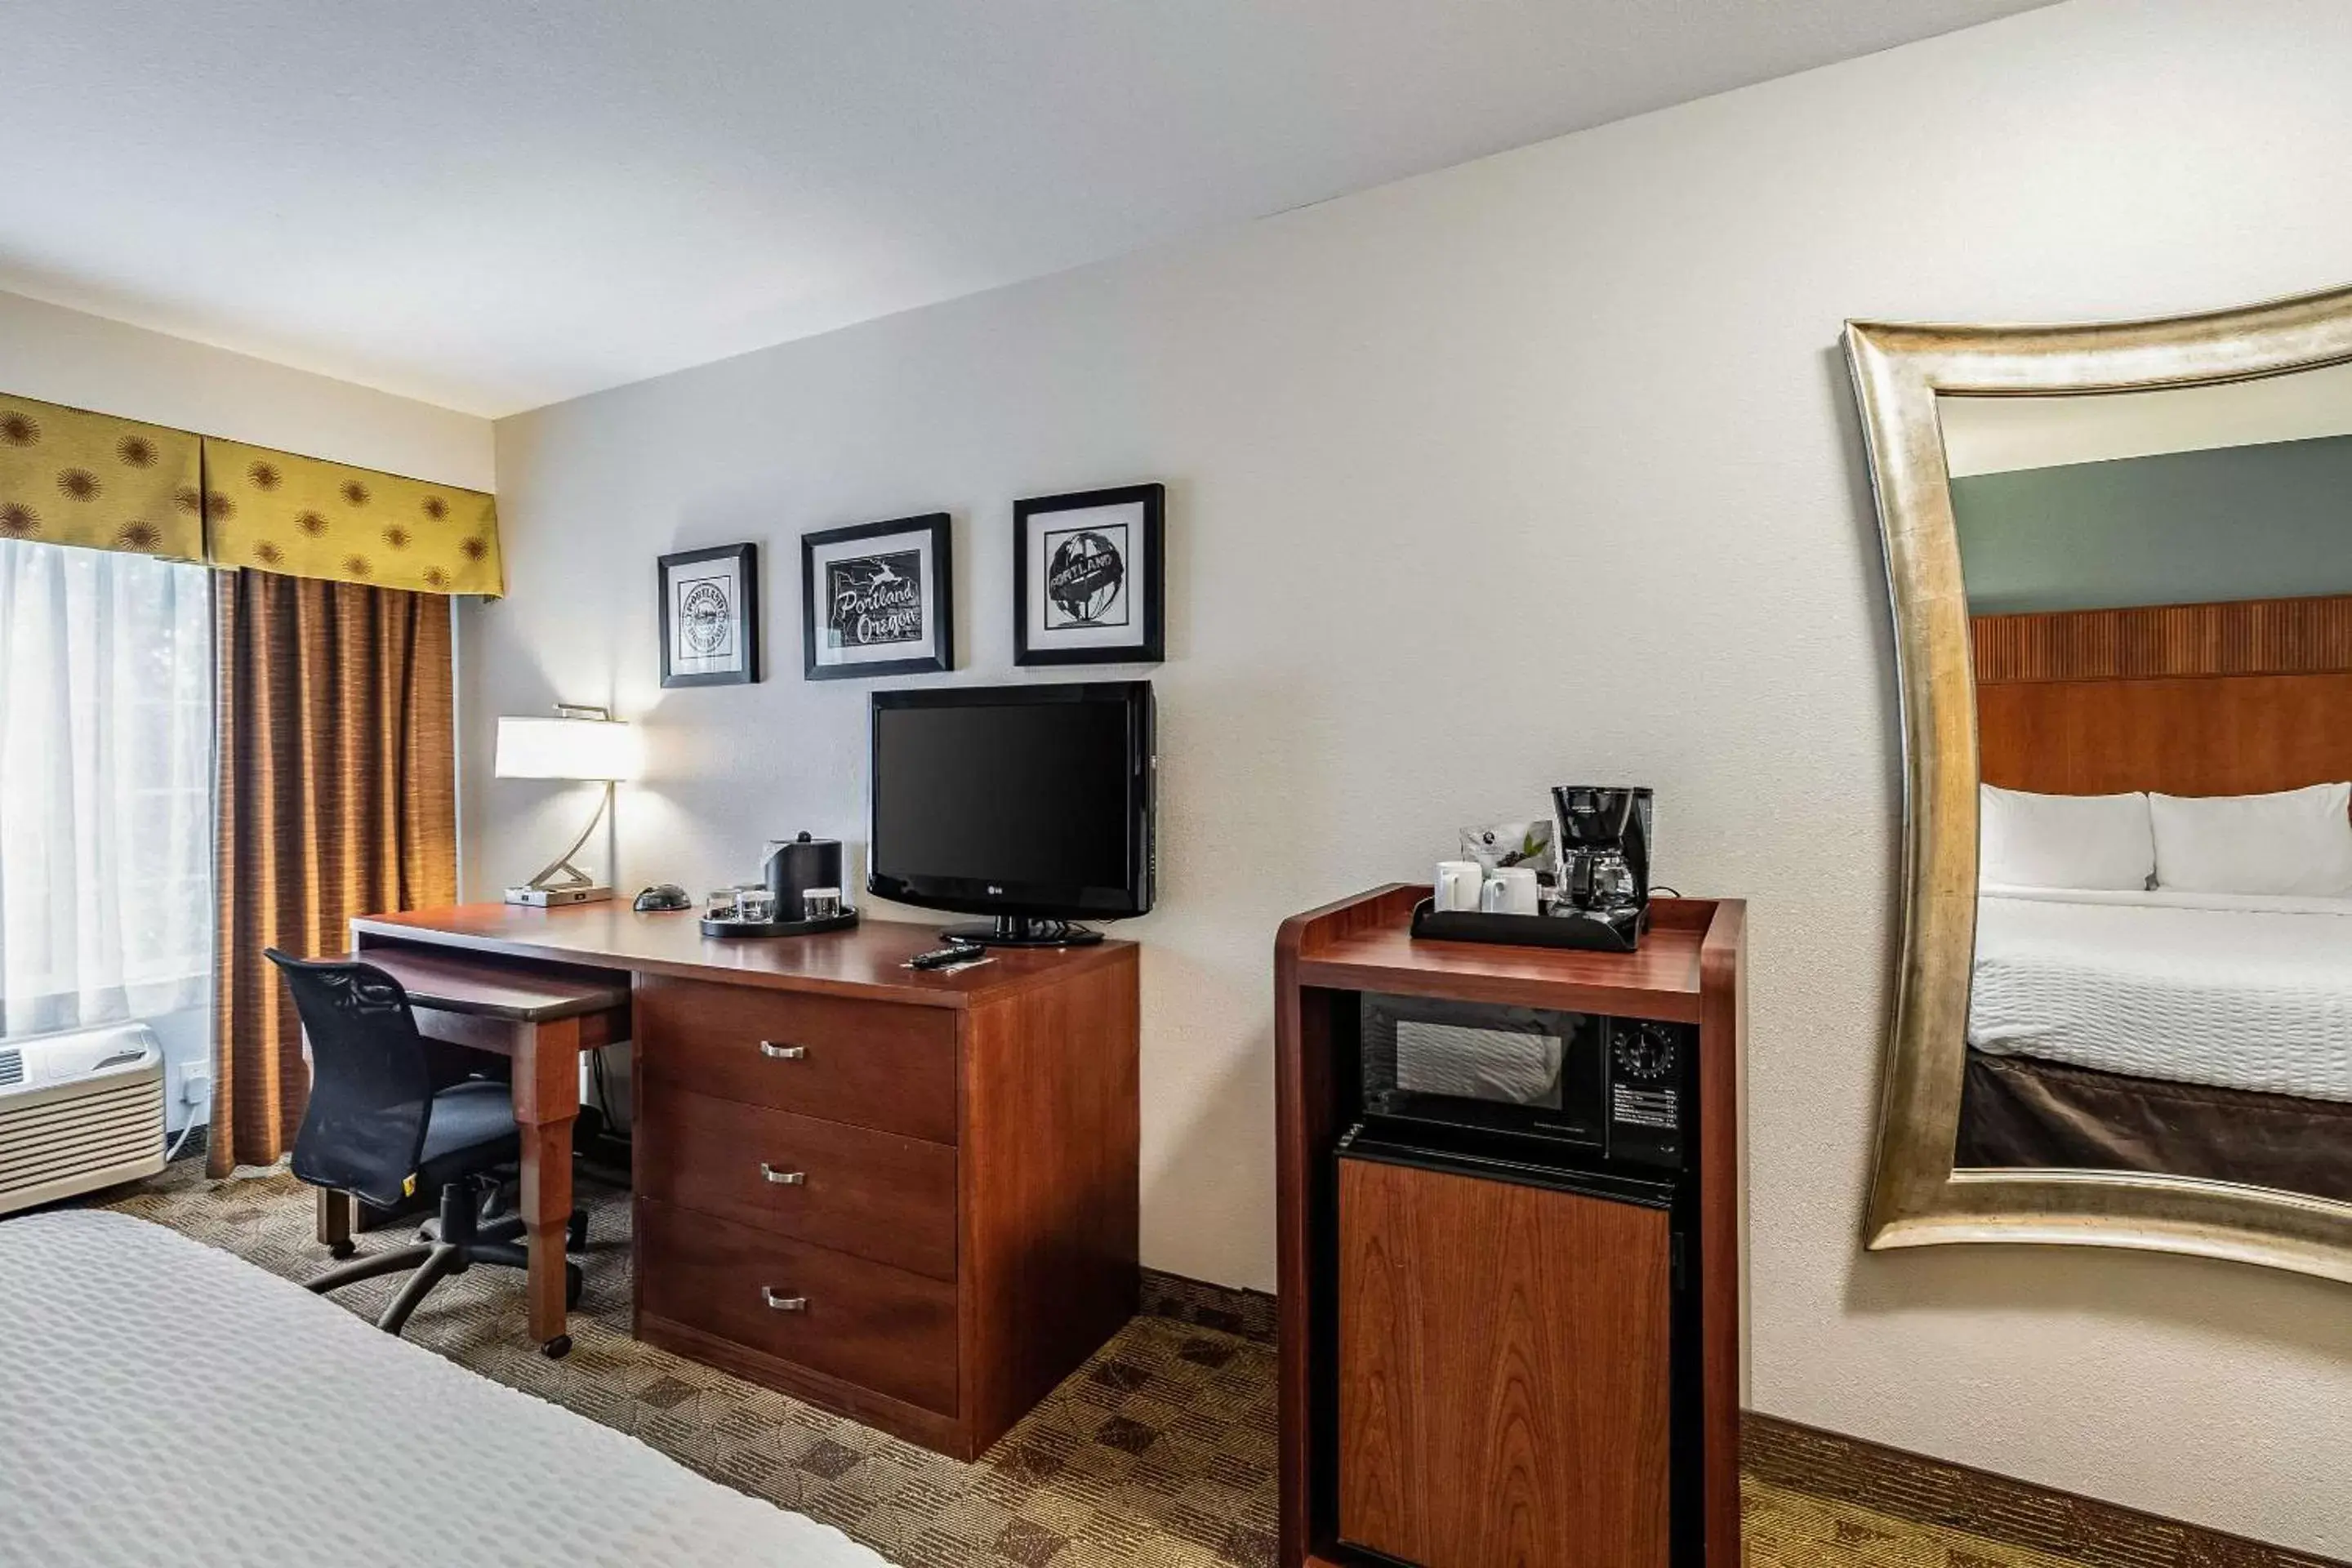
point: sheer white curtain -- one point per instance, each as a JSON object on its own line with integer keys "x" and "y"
{"x": 106, "y": 746}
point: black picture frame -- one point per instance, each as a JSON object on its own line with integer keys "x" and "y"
{"x": 1134, "y": 606}
{"x": 935, "y": 600}
{"x": 739, "y": 603}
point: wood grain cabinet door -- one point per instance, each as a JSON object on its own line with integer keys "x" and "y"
{"x": 1503, "y": 1372}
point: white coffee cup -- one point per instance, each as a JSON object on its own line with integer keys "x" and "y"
{"x": 1511, "y": 890}
{"x": 1458, "y": 885}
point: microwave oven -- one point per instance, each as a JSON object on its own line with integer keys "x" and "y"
{"x": 1527, "y": 1080}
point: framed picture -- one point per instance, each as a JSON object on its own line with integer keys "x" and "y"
{"x": 710, "y": 616}
{"x": 1085, "y": 574}
{"x": 878, "y": 599}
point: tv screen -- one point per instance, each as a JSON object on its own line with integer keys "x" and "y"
{"x": 1022, "y": 800}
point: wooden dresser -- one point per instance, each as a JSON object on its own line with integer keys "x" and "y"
{"x": 907, "y": 1197}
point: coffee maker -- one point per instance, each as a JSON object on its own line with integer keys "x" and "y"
{"x": 1604, "y": 862}
{"x": 794, "y": 866}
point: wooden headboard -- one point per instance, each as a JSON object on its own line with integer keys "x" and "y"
{"x": 2227, "y": 699}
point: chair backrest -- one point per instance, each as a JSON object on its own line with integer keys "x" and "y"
{"x": 371, "y": 1085}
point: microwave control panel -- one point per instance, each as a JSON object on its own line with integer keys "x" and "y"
{"x": 1648, "y": 1064}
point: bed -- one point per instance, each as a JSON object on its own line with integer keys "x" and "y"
{"x": 2234, "y": 991}
{"x": 2146, "y": 1031}
{"x": 2195, "y": 1034}
{"x": 168, "y": 1403}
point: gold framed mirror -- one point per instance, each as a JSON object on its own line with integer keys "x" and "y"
{"x": 2190, "y": 700}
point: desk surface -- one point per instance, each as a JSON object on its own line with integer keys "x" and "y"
{"x": 864, "y": 960}
{"x": 487, "y": 988}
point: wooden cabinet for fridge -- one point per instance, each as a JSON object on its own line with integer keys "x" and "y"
{"x": 1503, "y": 1372}
{"x": 1486, "y": 1367}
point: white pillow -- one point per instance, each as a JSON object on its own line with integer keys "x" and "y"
{"x": 2297, "y": 841}
{"x": 2029, "y": 840}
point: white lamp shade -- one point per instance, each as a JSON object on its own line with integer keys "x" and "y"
{"x": 566, "y": 749}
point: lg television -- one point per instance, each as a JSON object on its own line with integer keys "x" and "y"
{"x": 1030, "y": 804}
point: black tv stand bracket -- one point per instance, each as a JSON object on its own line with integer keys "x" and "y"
{"x": 1021, "y": 930}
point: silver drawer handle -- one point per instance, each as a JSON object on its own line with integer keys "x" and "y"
{"x": 782, "y": 1053}
{"x": 783, "y": 1303}
{"x": 783, "y": 1178}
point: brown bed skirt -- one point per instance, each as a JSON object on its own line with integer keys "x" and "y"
{"x": 2017, "y": 1111}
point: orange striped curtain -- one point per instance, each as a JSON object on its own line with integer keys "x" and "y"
{"x": 337, "y": 797}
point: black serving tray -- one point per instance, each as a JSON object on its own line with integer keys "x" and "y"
{"x": 841, "y": 921}
{"x": 1579, "y": 932}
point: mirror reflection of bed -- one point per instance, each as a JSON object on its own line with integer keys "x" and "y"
{"x": 2161, "y": 595}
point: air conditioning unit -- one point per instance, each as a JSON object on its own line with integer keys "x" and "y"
{"x": 78, "y": 1112}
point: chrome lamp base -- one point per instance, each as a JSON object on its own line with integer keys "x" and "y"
{"x": 560, "y": 882}
{"x": 555, "y": 898}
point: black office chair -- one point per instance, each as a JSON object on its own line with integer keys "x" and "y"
{"x": 376, "y": 1128}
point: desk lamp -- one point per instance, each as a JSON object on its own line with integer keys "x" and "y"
{"x": 582, "y": 743}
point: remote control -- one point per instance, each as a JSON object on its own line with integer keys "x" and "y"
{"x": 943, "y": 957}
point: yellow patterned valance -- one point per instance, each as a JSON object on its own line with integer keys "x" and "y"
{"x": 67, "y": 477}
{"x": 71, "y": 477}
{"x": 308, "y": 518}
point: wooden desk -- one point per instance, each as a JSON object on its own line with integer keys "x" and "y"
{"x": 910, "y": 1197}
{"x": 543, "y": 1017}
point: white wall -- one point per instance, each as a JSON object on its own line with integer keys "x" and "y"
{"x": 64, "y": 356}
{"x": 185, "y": 1036}
{"x": 1539, "y": 468}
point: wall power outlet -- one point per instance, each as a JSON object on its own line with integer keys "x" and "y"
{"x": 195, "y": 1083}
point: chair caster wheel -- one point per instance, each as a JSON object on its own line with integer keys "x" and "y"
{"x": 575, "y": 1282}
{"x": 339, "y": 1251}
{"x": 575, "y": 1232}
{"x": 557, "y": 1348}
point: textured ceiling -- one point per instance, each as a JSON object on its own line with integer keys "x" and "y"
{"x": 497, "y": 205}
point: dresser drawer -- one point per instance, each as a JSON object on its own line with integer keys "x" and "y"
{"x": 875, "y": 1194}
{"x": 880, "y": 1328}
{"x": 871, "y": 1064}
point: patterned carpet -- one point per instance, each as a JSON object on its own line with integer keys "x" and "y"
{"x": 1159, "y": 1453}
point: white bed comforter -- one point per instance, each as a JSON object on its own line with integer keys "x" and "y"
{"x": 2236, "y": 990}
{"x": 166, "y": 1403}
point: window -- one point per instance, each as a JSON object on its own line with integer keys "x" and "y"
{"x": 106, "y": 777}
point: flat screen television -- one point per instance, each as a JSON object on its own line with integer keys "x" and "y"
{"x": 1032, "y": 804}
